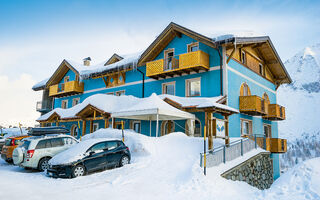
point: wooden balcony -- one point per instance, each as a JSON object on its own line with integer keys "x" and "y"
{"x": 66, "y": 89}
{"x": 275, "y": 112}
{"x": 184, "y": 63}
{"x": 274, "y": 145}
{"x": 253, "y": 105}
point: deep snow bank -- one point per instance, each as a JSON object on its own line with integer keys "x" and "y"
{"x": 300, "y": 182}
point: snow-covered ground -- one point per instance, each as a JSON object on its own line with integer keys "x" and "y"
{"x": 161, "y": 168}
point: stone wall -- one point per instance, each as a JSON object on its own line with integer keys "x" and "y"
{"x": 257, "y": 171}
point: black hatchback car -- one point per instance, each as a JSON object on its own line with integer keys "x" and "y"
{"x": 89, "y": 156}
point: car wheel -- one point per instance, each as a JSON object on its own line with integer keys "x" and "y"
{"x": 78, "y": 170}
{"x": 43, "y": 164}
{"x": 124, "y": 161}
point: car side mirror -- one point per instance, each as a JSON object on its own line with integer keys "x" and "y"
{"x": 91, "y": 153}
{"x": 106, "y": 149}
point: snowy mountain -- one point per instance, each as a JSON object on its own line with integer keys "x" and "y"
{"x": 302, "y": 102}
{"x": 304, "y": 69}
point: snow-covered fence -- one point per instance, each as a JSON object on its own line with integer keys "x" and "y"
{"x": 223, "y": 153}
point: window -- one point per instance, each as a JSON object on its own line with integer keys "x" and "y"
{"x": 69, "y": 141}
{"x": 95, "y": 126}
{"x": 246, "y": 127}
{"x": 112, "y": 145}
{"x": 267, "y": 130}
{"x": 193, "y": 47}
{"x": 243, "y": 57}
{"x": 74, "y": 130}
{"x": 120, "y": 93}
{"x": 99, "y": 147}
{"x": 168, "y": 88}
{"x": 43, "y": 144}
{"x": 64, "y": 104}
{"x": 261, "y": 69}
{"x": 57, "y": 142}
{"x": 75, "y": 101}
{"x": 245, "y": 90}
{"x": 66, "y": 79}
{"x": 136, "y": 126}
{"x": 193, "y": 87}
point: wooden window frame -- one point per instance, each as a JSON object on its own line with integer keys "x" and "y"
{"x": 169, "y": 83}
{"x": 270, "y": 129}
{"x": 66, "y": 100}
{"x": 261, "y": 69}
{"x": 250, "y": 126}
{"x": 165, "y": 57}
{"x": 244, "y": 57}
{"x": 187, "y": 82}
{"x": 192, "y": 45}
{"x": 78, "y": 98}
{"x": 138, "y": 122}
{"x": 66, "y": 77}
{"x": 95, "y": 124}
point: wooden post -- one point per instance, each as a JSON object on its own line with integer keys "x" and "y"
{"x": 57, "y": 122}
{"x": 214, "y": 127}
{"x": 204, "y": 151}
{"x": 227, "y": 140}
{"x": 94, "y": 114}
{"x": 106, "y": 122}
{"x": 210, "y": 138}
{"x": 83, "y": 127}
{"x": 91, "y": 126}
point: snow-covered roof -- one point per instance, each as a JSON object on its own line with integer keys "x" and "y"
{"x": 40, "y": 85}
{"x": 148, "y": 109}
{"x": 120, "y": 106}
{"x": 86, "y": 72}
{"x": 199, "y": 102}
{"x": 216, "y": 37}
{"x": 107, "y": 103}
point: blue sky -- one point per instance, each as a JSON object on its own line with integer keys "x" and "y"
{"x": 35, "y": 36}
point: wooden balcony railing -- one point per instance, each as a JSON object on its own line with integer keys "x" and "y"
{"x": 275, "y": 112}
{"x": 274, "y": 145}
{"x": 184, "y": 63}
{"x": 253, "y": 105}
{"x": 65, "y": 89}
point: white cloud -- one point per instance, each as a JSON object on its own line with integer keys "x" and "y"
{"x": 17, "y": 101}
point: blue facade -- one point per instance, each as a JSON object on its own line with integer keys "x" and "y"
{"x": 210, "y": 87}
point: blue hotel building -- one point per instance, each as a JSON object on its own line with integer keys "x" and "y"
{"x": 236, "y": 76}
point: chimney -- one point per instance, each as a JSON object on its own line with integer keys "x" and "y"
{"x": 86, "y": 61}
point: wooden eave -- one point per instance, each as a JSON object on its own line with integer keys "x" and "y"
{"x": 268, "y": 53}
{"x": 114, "y": 58}
{"x": 89, "y": 109}
{"x": 53, "y": 117}
{"x": 63, "y": 68}
{"x": 169, "y": 33}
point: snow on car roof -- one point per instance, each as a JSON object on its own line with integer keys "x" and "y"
{"x": 77, "y": 151}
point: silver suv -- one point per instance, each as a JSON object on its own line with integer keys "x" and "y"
{"x": 35, "y": 152}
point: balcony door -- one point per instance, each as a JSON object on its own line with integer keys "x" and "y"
{"x": 169, "y": 59}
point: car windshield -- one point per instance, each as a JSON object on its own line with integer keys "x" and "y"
{"x": 25, "y": 144}
{"x": 8, "y": 142}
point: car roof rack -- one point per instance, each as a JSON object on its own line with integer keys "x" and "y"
{"x": 48, "y": 130}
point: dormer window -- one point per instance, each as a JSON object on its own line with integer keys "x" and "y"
{"x": 243, "y": 57}
{"x": 193, "y": 47}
